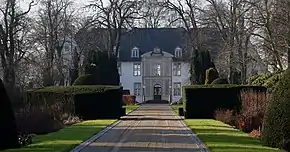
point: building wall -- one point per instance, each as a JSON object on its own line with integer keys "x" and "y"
{"x": 127, "y": 78}
{"x": 148, "y": 80}
{"x": 183, "y": 78}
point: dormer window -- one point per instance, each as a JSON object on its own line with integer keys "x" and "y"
{"x": 178, "y": 52}
{"x": 135, "y": 52}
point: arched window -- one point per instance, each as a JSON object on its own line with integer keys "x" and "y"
{"x": 135, "y": 52}
{"x": 178, "y": 52}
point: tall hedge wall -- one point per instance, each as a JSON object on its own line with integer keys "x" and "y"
{"x": 200, "y": 101}
{"x": 87, "y": 102}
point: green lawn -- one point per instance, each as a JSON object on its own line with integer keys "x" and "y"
{"x": 130, "y": 108}
{"x": 220, "y": 137}
{"x": 67, "y": 138}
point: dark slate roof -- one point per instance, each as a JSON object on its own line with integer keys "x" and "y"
{"x": 146, "y": 39}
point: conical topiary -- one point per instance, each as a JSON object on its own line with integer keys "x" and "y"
{"x": 210, "y": 75}
{"x": 276, "y": 123}
{"x": 86, "y": 79}
{"x": 8, "y": 127}
{"x": 220, "y": 81}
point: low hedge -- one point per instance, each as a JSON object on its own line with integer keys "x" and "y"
{"x": 88, "y": 102}
{"x": 269, "y": 80}
{"x": 200, "y": 101}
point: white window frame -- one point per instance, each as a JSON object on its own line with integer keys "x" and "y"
{"x": 176, "y": 69}
{"x": 136, "y": 69}
{"x": 178, "y": 52}
{"x": 135, "y": 52}
{"x": 177, "y": 89}
{"x": 137, "y": 88}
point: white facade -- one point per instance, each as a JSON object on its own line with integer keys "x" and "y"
{"x": 154, "y": 70}
{"x": 183, "y": 78}
{"x": 127, "y": 79}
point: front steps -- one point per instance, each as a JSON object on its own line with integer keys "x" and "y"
{"x": 157, "y": 102}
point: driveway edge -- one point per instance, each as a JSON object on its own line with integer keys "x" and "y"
{"x": 193, "y": 136}
{"x": 95, "y": 137}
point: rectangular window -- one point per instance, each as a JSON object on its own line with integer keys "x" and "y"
{"x": 177, "y": 89}
{"x": 119, "y": 69}
{"x": 157, "y": 70}
{"x": 137, "y": 89}
{"x": 136, "y": 69}
{"x": 177, "y": 69}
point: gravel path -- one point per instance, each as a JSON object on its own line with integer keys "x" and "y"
{"x": 150, "y": 128}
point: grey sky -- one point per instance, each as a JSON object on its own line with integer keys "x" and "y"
{"x": 78, "y": 4}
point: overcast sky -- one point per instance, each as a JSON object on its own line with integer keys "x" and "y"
{"x": 78, "y": 4}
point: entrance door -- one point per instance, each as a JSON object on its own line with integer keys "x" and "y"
{"x": 157, "y": 92}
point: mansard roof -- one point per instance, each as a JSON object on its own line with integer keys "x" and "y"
{"x": 145, "y": 39}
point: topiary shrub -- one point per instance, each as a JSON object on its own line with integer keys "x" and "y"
{"x": 87, "y": 79}
{"x": 210, "y": 75}
{"x": 8, "y": 130}
{"x": 103, "y": 66}
{"x": 220, "y": 81}
{"x": 262, "y": 79}
{"x": 276, "y": 122}
{"x": 272, "y": 82}
{"x": 251, "y": 79}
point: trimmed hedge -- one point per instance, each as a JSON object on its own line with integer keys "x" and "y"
{"x": 262, "y": 78}
{"x": 276, "y": 122}
{"x": 269, "y": 80}
{"x": 88, "y": 102}
{"x": 200, "y": 101}
{"x": 272, "y": 82}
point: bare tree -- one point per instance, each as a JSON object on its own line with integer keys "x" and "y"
{"x": 187, "y": 12}
{"x": 117, "y": 16}
{"x": 232, "y": 21}
{"x": 13, "y": 30}
{"x": 52, "y": 30}
{"x": 154, "y": 15}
